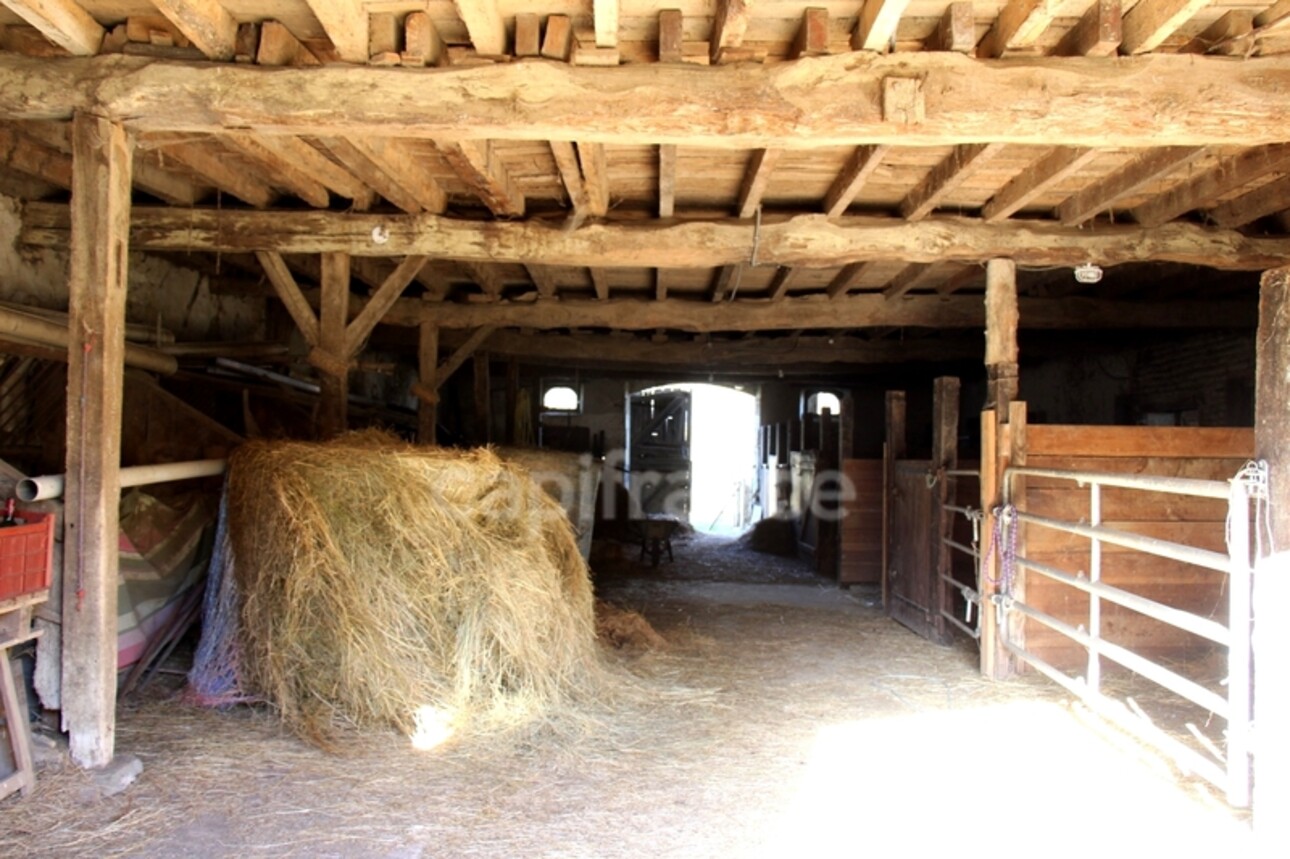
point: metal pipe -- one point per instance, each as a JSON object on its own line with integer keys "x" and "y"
{"x": 1151, "y": 545}
{"x": 51, "y": 485}
{"x": 1145, "y": 482}
{"x": 1239, "y": 698}
{"x": 1196, "y": 625}
{"x": 967, "y": 550}
{"x": 967, "y": 512}
{"x": 1094, "y": 675}
{"x": 974, "y": 633}
{"x": 45, "y": 333}
{"x": 962, "y": 472}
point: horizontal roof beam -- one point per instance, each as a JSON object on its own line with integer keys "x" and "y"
{"x": 812, "y": 241}
{"x": 845, "y": 99}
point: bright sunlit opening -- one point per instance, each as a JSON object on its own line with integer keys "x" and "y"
{"x": 560, "y": 398}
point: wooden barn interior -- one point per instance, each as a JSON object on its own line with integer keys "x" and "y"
{"x": 1002, "y": 288}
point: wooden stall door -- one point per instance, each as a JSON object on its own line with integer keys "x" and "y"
{"x": 861, "y": 525}
{"x": 910, "y": 571}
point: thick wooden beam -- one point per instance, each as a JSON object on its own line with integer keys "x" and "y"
{"x": 595, "y": 177}
{"x": 1150, "y": 22}
{"x": 945, "y": 178}
{"x": 477, "y": 164}
{"x": 1103, "y": 194}
{"x": 666, "y": 180}
{"x": 333, "y": 416}
{"x": 756, "y": 177}
{"x": 1229, "y": 175}
{"x": 815, "y": 102}
{"x": 813, "y": 241}
{"x": 876, "y": 25}
{"x": 1098, "y": 33}
{"x": 869, "y": 310}
{"x": 379, "y": 304}
{"x": 427, "y": 366}
{"x": 1036, "y": 180}
{"x": 860, "y": 166}
{"x": 1265, "y": 200}
{"x": 63, "y": 22}
{"x": 956, "y": 30}
{"x": 729, "y": 23}
{"x": 97, "y": 279}
{"x": 345, "y": 23}
{"x": 1019, "y": 25}
{"x": 206, "y": 23}
{"x": 485, "y": 25}
{"x": 284, "y": 284}
{"x": 1001, "y": 323}
{"x": 459, "y": 355}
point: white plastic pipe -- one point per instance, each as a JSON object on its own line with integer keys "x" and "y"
{"x": 51, "y": 485}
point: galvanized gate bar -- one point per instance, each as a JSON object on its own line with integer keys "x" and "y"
{"x": 1151, "y": 545}
{"x": 1145, "y": 482}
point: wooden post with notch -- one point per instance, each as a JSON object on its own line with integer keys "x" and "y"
{"x": 1272, "y": 574}
{"x": 945, "y": 457}
{"x": 896, "y": 449}
{"x": 102, "y": 166}
{"x": 1001, "y": 319}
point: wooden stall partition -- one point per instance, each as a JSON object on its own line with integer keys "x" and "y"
{"x": 861, "y": 525}
{"x": 1205, "y": 453}
{"x": 911, "y": 570}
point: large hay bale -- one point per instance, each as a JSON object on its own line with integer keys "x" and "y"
{"x": 384, "y": 584}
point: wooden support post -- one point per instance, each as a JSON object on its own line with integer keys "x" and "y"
{"x": 333, "y": 412}
{"x": 428, "y": 363}
{"x": 894, "y": 449}
{"x": 512, "y": 399}
{"x": 483, "y": 399}
{"x": 1272, "y": 574}
{"x": 945, "y": 457}
{"x": 989, "y": 641}
{"x": 1001, "y": 334}
{"x": 97, "y": 276}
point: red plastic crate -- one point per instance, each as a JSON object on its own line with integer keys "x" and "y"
{"x": 26, "y": 555}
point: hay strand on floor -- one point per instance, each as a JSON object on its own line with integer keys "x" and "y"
{"x": 385, "y": 584}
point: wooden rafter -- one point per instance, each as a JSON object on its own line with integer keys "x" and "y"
{"x": 956, "y": 30}
{"x": 306, "y": 158}
{"x": 876, "y": 25}
{"x": 543, "y": 279}
{"x": 205, "y": 23}
{"x": 1266, "y": 200}
{"x": 660, "y": 284}
{"x": 215, "y": 170}
{"x": 1019, "y": 25}
{"x": 666, "y": 180}
{"x": 599, "y": 282}
{"x": 908, "y": 279}
{"x": 671, "y": 36}
{"x": 812, "y": 39}
{"x": 725, "y": 281}
{"x": 32, "y": 159}
{"x": 805, "y": 240}
{"x": 360, "y": 327}
{"x": 1103, "y": 194}
{"x": 1036, "y": 180}
{"x": 860, "y": 166}
{"x": 756, "y": 179}
{"x": 832, "y": 101}
{"x": 595, "y": 177}
{"x": 346, "y": 25}
{"x": 1224, "y": 36}
{"x": 1150, "y": 22}
{"x": 289, "y": 293}
{"x": 63, "y": 22}
{"x": 566, "y": 162}
{"x": 391, "y": 170}
{"x": 1098, "y": 33}
{"x": 780, "y": 283}
{"x": 945, "y": 178}
{"x": 605, "y": 18}
{"x": 286, "y": 173}
{"x": 1226, "y": 177}
{"x": 485, "y": 25}
{"x": 729, "y": 23}
{"x": 846, "y": 279}
{"x": 484, "y": 277}
{"x": 477, "y": 164}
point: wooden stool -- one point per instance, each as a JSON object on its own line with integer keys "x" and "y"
{"x": 15, "y": 628}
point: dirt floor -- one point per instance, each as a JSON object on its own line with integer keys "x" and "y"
{"x": 786, "y": 718}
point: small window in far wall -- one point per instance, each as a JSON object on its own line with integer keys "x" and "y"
{"x": 560, "y": 398}
{"x": 821, "y": 400}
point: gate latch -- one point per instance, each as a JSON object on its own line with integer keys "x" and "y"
{"x": 1002, "y": 604}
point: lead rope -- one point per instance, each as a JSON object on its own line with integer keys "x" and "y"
{"x": 1005, "y": 517}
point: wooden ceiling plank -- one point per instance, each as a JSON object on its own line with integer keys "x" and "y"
{"x": 1103, "y": 194}
{"x": 63, "y": 22}
{"x": 1150, "y": 22}
{"x": 360, "y": 327}
{"x": 956, "y": 30}
{"x": 1036, "y": 180}
{"x": 206, "y": 23}
{"x": 1228, "y": 176}
{"x": 666, "y": 180}
{"x": 599, "y": 282}
{"x": 812, "y": 39}
{"x": 284, "y": 284}
{"x": 371, "y": 174}
{"x": 860, "y": 166}
{"x": 1263, "y": 201}
{"x": 213, "y": 168}
{"x": 876, "y": 25}
{"x": 1224, "y": 36}
{"x": 869, "y": 310}
{"x": 779, "y": 284}
{"x": 346, "y": 24}
{"x": 946, "y": 177}
{"x": 811, "y": 241}
{"x": 286, "y": 174}
{"x": 477, "y": 164}
{"x": 485, "y": 25}
{"x": 832, "y": 101}
{"x": 605, "y": 18}
{"x": 1098, "y": 33}
{"x": 1019, "y": 25}
{"x": 846, "y": 280}
{"x": 595, "y": 177}
{"x": 729, "y": 23}
{"x": 402, "y": 165}
{"x": 566, "y": 161}
{"x": 756, "y": 178}
{"x": 906, "y": 279}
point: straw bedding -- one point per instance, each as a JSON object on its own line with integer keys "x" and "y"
{"x": 388, "y": 585}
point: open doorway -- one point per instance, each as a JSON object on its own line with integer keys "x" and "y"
{"x": 718, "y": 446}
